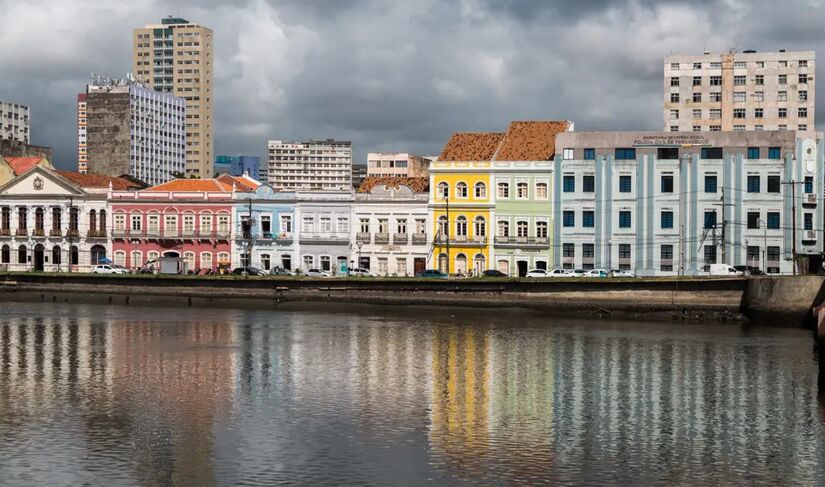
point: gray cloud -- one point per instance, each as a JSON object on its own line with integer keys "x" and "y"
{"x": 393, "y": 75}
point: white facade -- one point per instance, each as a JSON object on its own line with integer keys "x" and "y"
{"x": 390, "y": 230}
{"x": 14, "y": 122}
{"x": 397, "y": 164}
{"x": 313, "y": 165}
{"x": 322, "y": 224}
{"x": 46, "y": 221}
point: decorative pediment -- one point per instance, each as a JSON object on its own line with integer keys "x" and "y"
{"x": 40, "y": 181}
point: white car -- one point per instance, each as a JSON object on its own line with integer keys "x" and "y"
{"x": 317, "y": 273}
{"x": 108, "y": 269}
{"x": 576, "y": 273}
{"x": 557, "y": 273}
{"x": 361, "y": 272}
{"x": 621, "y": 273}
{"x": 596, "y": 273}
{"x": 541, "y": 273}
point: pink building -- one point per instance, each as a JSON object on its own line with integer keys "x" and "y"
{"x": 188, "y": 218}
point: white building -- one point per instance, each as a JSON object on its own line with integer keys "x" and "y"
{"x": 390, "y": 226}
{"x": 322, "y": 222}
{"x": 14, "y": 122}
{"x": 663, "y": 203}
{"x": 397, "y": 164}
{"x": 312, "y": 165}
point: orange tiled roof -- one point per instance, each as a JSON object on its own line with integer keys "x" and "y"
{"x": 241, "y": 183}
{"x": 530, "y": 141}
{"x": 184, "y": 185}
{"x": 419, "y": 185}
{"x": 22, "y": 164}
{"x": 98, "y": 180}
{"x": 476, "y": 146}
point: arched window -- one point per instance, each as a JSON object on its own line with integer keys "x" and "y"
{"x": 74, "y": 255}
{"x": 504, "y": 266}
{"x": 286, "y": 262}
{"x": 443, "y": 190}
{"x": 56, "y": 255}
{"x": 461, "y": 263}
{"x": 522, "y": 191}
{"x": 480, "y": 226}
{"x": 223, "y": 258}
{"x": 503, "y": 190}
{"x": 479, "y": 265}
{"x": 461, "y": 226}
{"x": 5, "y": 258}
{"x": 102, "y": 222}
{"x": 21, "y": 254}
{"x": 120, "y": 258}
{"x": 503, "y": 228}
{"x": 206, "y": 260}
{"x": 189, "y": 260}
{"x": 136, "y": 259}
{"x": 541, "y": 230}
{"x": 481, "y": 190}
{"x": 541, "y": 191}
{"x": 521, "y": 228}
{"x": 442, "y": 227}
{"x": 99, "y": 253}
{"x": 92, "y": 224}
{"x": 442, "y": 262}
{"x": 39, "y": 221}
{"x": 461, "y": 190}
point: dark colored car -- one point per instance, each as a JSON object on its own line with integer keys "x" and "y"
{"x": 493, "y": 273}
{"x": 280, "y": 271}
{"x": 749, "y": 270}
{"x": 432, "y": 273}
{"x": 250, "y": 271}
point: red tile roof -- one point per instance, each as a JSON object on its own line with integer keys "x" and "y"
{"x": 241, "y": 183}
{"x": 530, "y": 141}
{"x": 419, "y": 185}
{"x": 98, "y": 180}
{"x": 184, "y": 185}
{"x": 467, "y": 147}
{"x": 22, "y": 164}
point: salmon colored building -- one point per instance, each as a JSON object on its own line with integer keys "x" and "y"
{"x": 186, "y": 218}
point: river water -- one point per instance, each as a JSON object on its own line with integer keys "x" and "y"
{"x": 95, "y": 395}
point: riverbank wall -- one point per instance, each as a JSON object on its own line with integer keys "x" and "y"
{"x": 781, "y": 301}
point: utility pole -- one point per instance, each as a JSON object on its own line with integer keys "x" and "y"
{"x": 793, "y": 184}
{"x": 249, "y": 241}
{"x": 723, "y": 242}
{"x": 448, "y": 235}
{"x": 682, "y": 249}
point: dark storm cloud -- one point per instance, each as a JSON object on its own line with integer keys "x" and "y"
{"x": 389, "y": 74}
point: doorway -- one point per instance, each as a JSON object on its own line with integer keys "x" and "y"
{"x": 98, "y": 254}
{"x": 419, "y": 265}
{"x": 38, "y": 257}
{"x": 522, "y": 268}
{"x": 540, "y": 264}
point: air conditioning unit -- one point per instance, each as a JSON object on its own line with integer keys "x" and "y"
{"x": 810, "y": 198}
{"x": 810, "y": 234}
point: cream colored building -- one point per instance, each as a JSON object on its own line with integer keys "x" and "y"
{"x": 397, "y": 164}
{"x": 740, "y": 91}
{"x": 310, "y": 165}
{"x": 175, "y": 57}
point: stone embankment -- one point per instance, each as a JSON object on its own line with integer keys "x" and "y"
{"x": 783, "y": 301}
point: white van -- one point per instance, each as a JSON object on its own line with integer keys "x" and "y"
{"x": 723, "y": 270}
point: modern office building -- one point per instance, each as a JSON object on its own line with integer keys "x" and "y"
{"x": 312, "y": 165}
{"x": 15, "y": 124}
{"x": 664, "y": 203}
{"x": 397, "y": 164}
{"x": 239, "y": 165}
{"x": 175, "y": 57}
{"x": 740, "y": 91}
{"x": 82, "y": 155}
{"x": 131, "y": 129}
{"x": 359, "y": 173}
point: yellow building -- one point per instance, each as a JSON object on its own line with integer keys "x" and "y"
{"x": 461, "y": 203}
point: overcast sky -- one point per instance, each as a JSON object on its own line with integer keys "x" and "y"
{"x": 392, "y": 75}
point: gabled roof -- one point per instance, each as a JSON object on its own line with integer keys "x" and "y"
{"x": 22, "y": 164}
{"x": 471, "y": 146}
{"x": 98, "y": 181}
{"x": 530, "y": 141}
{"x": 184, "y": 185}
{"x": 418, "y": 185}
{"x": 242, "y": 183}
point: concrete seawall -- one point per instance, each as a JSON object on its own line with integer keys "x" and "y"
{"x": 776, "y": 301}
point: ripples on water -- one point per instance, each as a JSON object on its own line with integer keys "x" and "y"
{"x": 96, "y": 395}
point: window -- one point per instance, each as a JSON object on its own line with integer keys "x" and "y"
{"x": 809, "y": 184}
{"x": 783, "y": 126}
{"x": 521, "y": 229}
{"x": 22, "y": 255}
{"x": 783, "y": 79}
{"x": 588, "y": 250}
{"x": 541, "y": 191}
{"x": 803, "y": 64}
{"x": 625, "y": 184}
{"x": 802, "y": 112}
{"x": 710, "y": 183}
{"x": 674, "y": 128}
{"x": 774, "y": 153}
{"x": 460, "y": 226}
{"x": 343, "y": 224}
{"x": 569, "y": 218}
{"x": 716, "y": 81}
{"x": 624, "y": 154}
{"x": 6, "y": 255}
{"x": 783, "y": 113}
{"x": 666, "y": 252}
{"x": 590, "y": 154}
{"x": 308, "y": 225}
{"x": 753, "y": 152}
{"x": 461, "y": 190}
{"x": 503, "y": 190}
{"x": 803, "y": 95}
{"x": 624, "y": 251}
{"x": 697, "y": 128}
{"x": 667, "y": 219}
{"x": 364, "y": 225}
{"x": 803, "y": 127}
{"x": 568, "y": 250}
{"x": 782, "y": 96}
{"x": 710, "y": 254}
{"x": 739, "y": 80}
{"x": 503, "y": 228}
{"x": 567, "y": 154}
{"x": 759, "y": 96}
{"x": 738, "y": 128}
{"x": 522, "y": 191}
{"x": 674, "y": 81}
{"x": 753, "y": 183}
{"x": 759, "y": 80}
{"x": 326, "y": 224}
{"x": 137, "y": 221}
{"x": 674, "y": 114}
{"x": 480, "y": 190}
{"x": 739, "y": 96}
{"x": 401, "y": 266}
{"x": 420, "y": 226}
{"x": 758, "y": 128}
{"x": 569, "y": 183}
{"x": 808, "y": 221}
{"x": 286, "y": 223}
{"x": 697, "y": 113}
{"x": 697, "y": 65}
{"x": 716, "y": 96}
{"x": 674, "y": 97}
{"x": 773, "y": 253}
{"x": 803, "y": 79}
{"x": 738, "y": 113}
{"x": 715, "y": 113}
{"x": 711, "y": 153}
{"x": 588, "y": 219}
{"x": 697, "y": 81}
{"x": 383, "y": 225}
{"x": 480, "y": 227}
{"x": 624, "y": 219}
{"x": 773, "y": 184}
{"x": 120, "y": 222}
{"x": 710, "y": 219}
{"x": 759, "y": 64}
{"x": 674, "y": 67}
{"x": 773, "y": 220}
{"x": 667, "y": 153}
{"x": 541, "y": 230}
{"x": 326, "y": 263}
{"x": 443, "y": 190}
{"x": 667, "y": 184}
{"x": 589, "y": 183}
{"x": 753, "y": 220}
{"x": 739, "y": 65}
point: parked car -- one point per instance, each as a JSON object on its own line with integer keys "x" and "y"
{"x": 317, "y": 273}
{"x": 540, "y": 273}
{"x": 432, "y": 274}
{"x": 749, "y": 270}
{"x": 576, "y": 273}
{"x": 557, "y": 273}
{"x": 250, "y": 271}
{"x": 361, "y": 272}
{"x": 724, "y": 270}
{"x": 493, "y": 273}
{"x": 596, "y": 273}
{"x": 279, "y": 271}
{"x": 108, "y": 269}
{"x": 622, "y": 273}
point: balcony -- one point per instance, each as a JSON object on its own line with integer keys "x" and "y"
{"x": 222, "y": 234}
{"x": 96, "y": 234}
{"x": 284, "y": 237}
{"x": 323, "y": 238}
{"x": 5, "y": 232}
{"x": 419, "y": 238}
{"x": 463, "y": 241}
{"x": 171, "y": 233}
{"x": 73, "y": 233}
{"x": 39, "y": 233}
{"x": 188, "y": 233}
{"x": 56, "y": 233}
{"x": 523, "y": 242}
{"x": 809, "y": 236}
{"x": 22, "y": 232}
{"x": 382, "y": 238}
{"x": 363, "y": 238}
{"x": 400, "y": 239}
{"x": 152, "y": 233}
{"x": 120, "y": 233}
